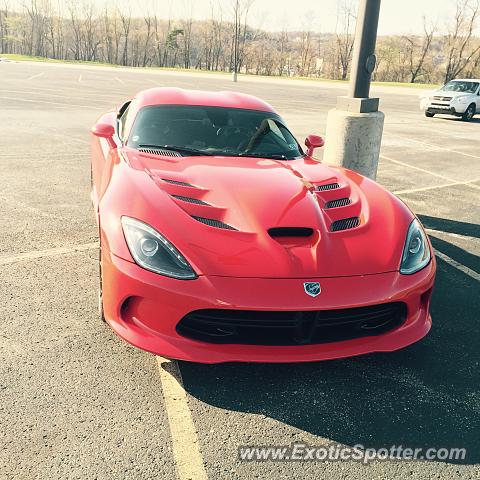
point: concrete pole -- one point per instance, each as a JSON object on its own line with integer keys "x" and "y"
{"x": 355, "y": 126}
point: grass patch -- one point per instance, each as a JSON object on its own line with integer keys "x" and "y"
{"x": 24, "y": 58}
{"x": 28, "y": 58}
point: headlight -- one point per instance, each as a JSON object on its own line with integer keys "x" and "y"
{"x": 154, "y": 252}
{"x": 416, "y": 253}
{"x": 461, "y": 99}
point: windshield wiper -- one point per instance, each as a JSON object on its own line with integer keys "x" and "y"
{"x": 176, "y": 149}
{"x": 273, "y": 156}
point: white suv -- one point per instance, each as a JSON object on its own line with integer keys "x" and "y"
{"x": 457, "y": 97}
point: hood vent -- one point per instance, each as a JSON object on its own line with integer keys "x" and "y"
{"x": 344, "y": 224}
{"x": 160, "y": 151}
{"x": 213, "y": 223}
{"x": 341, "y": 202}
{"x": 290, "y": 232}
{"x": 176, "y": 182}
{"x": 196, "y": 201}
{"x": 327, "y": 186}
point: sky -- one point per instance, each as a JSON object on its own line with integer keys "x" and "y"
{"x": 396, "y": 16}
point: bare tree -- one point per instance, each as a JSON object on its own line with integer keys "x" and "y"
{"x": 148, "y": 37}
{"x": 126, "y": 20}
{"x": 76, "y": 29}
{"x": 90, "y": 37}
{"x": 4, "y": 30}
{"x": 345, "y": 38}
{"x": 240, "y": 15}
{"x": 460, "y": 47}
{"x": 38, "y": 26}
{"x": 417, "y": 52}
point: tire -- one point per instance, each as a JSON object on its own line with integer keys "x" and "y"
{"x": 469, "y": 113}
{"x": 429, "y": 114}
{"x": 101, "y": 315}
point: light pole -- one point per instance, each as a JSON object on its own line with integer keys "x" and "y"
{"x": 355, "y": 126}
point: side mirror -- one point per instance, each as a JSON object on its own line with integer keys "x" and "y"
{"x": 312, "y": 142}
{"x": 105, "y": 130}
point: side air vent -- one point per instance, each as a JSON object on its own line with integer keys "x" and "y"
{"x": 345, "y": 224}
{"x": 341, "y": 202}
{"x": 290, "y": 232}
{"x": 190, "y": 200}
{"x": 213, "y": 223}
{"x": 160, "y": 151}
{"x": 327, "y": 186}
{"x": 176, "y": 182}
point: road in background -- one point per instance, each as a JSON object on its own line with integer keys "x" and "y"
{"x": 77, "y": 402}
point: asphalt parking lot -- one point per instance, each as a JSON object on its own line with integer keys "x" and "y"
{"x": 77, "y": 402}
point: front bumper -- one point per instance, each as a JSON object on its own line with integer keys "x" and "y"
{"x": 144, "y": 309}
{"x": 444, "y": 110}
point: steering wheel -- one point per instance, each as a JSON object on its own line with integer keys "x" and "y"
{"x": 229, "y": 131}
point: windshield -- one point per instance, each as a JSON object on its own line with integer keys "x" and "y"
{"x": 214, "y": 131}
{"x": 460, "y": 86}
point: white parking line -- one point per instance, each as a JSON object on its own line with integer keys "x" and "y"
{"x": 433, "y": 187}
{"x": 450, "y": 234}
{"x": 119, "y": 80}
{"x": 418, "y": 168}
{"x": 36, "y": 76}
{"x": 467, "y": 271}
{"x": 185, "y": 446}
{"x": 51, "y": 252}
{"x": 69, "y": 91}
{"x": 439, "y": 147}
{"x": 65, "y": 105}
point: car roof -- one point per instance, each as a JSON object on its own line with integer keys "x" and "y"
{"x": 180, "y": 96}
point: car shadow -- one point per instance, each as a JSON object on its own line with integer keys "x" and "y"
{"x": 450, "y": 226}
{"x": 457, "y": 119}
{"x": 426, "y": 395}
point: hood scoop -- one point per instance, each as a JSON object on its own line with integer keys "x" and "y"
{"x": 340, "y": 202}
{"x": 327, "y": 186}
{"x": 196, "y": 201}
{"x": 186, "y": 196}
{"x": 290, "y": 232}
{"x": 213, "y": 223}
{"x": 177, "y": 182}
{"x": 344, "y": 224}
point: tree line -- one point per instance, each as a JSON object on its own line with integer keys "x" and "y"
{"x": 226, "y": 41}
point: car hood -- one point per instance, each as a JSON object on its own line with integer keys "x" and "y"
{"x": 444, "y": 93}
{"x": 234, "y": 216}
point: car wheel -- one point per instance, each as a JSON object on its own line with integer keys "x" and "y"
{"x": 101, "y": 315}
{"x": 429, "y": 114}
{"x": 469, "y": 113}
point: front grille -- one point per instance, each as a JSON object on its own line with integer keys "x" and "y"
{"x": 327, "y": 186}
{"x": 190, "y": 200}
{"x": 443, "y": 99}
{"x": 249, "y": 327}
{"x": 341, "y": 202}
{"x": 344, "y": 224}
{"x": 213, "y": 223}
{"x": 160, "y": 151}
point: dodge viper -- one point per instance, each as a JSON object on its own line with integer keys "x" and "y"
{"x": 222, "y": 239}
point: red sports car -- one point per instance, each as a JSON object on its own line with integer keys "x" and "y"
{"x": 222, "y": 240}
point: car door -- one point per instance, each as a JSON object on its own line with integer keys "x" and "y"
{"x": 478, "y": 99}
